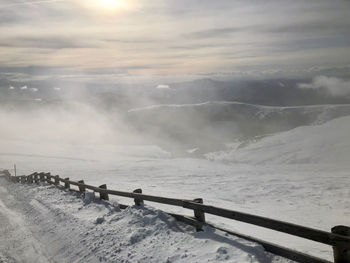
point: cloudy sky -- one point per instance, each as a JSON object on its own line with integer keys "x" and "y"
{"x": 116, "y": 40}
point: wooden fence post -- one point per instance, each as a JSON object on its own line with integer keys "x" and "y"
{"x": 30, "y": 179}
{"x": 341, "y": 252}
{"x": 48, "y": 178}
{"x": 23, "y": 179}
{"x": 66, "y": 183}
{"x": 42, "y": 177}
{"x": 36, "y": 177}
{"x": 198, "y": 214}
{"x": 103, "y": 196}
{"x": 137, "y": 201}
{"x": 57, "y": 180}
{"x": 81, "y": 188}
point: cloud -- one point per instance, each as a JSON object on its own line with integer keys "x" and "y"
{"x": 30, "y": 3}
{"x": 46, "y": 42}
{"x": 214, "y": 33}
{"x": 37, "y": 72}
{"x": 340, "y": 71}
{"x": 24, "y": 88}
{"x": 12, "y": 87}
{"x": 171, "y": 37}
{"x": 334, "y": 86}
{"x": 162, "y": 86}
{"x": 7, "y": 17}
{"x": 34, "y": 89}
{"x": 57, "y": 89}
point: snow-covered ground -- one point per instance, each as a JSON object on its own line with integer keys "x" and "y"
{"x": 326, "y": 144}
{"x": 300, "y": 176}
{"x": 45, "y": 224}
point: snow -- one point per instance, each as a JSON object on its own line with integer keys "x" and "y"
{"x": 237, "y": 111}
{"x": 46, "y": 224}
{"x": 299, "y": 176}
{"x": 328, "y": 143}
{"x": 208, "y": 103}
{"x": 317, "y": 114}
{"x": 209, "y": 126}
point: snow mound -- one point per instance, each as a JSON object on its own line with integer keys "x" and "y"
{"x": 326, "y": 143}
{"x": 63, "y": 227}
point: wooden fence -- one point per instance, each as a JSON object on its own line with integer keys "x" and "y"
{"x": 338, "y": 238}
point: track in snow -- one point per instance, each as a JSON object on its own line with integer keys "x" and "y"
{"x": 45, "y": 224}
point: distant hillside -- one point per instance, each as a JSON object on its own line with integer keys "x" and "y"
{"x": 272, "y": 92}
{"x": 210, "y": 125}
{"x": 326, "y": 143}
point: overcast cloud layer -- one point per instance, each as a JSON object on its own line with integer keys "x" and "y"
{"x": 76, "y": 39}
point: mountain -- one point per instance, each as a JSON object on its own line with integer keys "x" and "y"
{"x": 212, "y": 124}
{"x": 272, "y": 92}
{"x": 327, "y": 144}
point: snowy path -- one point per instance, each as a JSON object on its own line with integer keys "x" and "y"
{"x": 18, "y": 243}
{"x": 45, "y": 224}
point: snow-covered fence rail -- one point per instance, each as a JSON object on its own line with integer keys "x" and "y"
{"x": 338, "y": 238}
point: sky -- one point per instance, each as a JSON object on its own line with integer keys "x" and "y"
{"x": 121, "y": 40}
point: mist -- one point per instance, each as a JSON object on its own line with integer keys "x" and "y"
{"x": 65, "y": 129}
{"x": 332, "y": 86}
{"x": 184, "y": 118}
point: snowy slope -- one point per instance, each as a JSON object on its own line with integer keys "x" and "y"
{"x": 300, "y": 176}
{"x": 45, "y": 224}
{"x": 231, "y": 110}
{"x": 209, "y": 125}
{"x": 326, "y": 143}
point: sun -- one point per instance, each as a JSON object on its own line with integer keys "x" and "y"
{"x": 112, "y": 5}
{"x": 107, "y": 7}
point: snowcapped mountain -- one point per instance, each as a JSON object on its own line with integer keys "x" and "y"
{"x": 326, "y": 143}
{"x": 209, "y": 125}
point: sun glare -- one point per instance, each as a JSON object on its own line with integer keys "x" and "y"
{"x": 107, "y": 6}
{"x": 112, "y": 5}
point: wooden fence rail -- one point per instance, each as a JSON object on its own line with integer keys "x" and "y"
{"x": 339, "y": 238}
